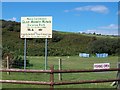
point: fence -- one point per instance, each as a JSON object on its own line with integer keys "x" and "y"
{"x": 52, "y": 71}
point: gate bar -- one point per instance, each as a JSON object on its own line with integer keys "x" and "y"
{"x": 25, "y": 82}
{"x": 86, "y": 81}
{"x": 27, "y": 71}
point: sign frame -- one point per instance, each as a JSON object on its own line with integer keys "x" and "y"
{"x": 101, "y": 66}
{"x": 36, "y": 27}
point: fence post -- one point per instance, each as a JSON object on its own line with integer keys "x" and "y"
{"x": 8, "y": 64}
{"x": 60, "y": 68}
{"x": 52, "y": 78}
{"x": 118, "y": 87}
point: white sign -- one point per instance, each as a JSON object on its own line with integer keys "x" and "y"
{"x": 36, "y": 27}
{"x": 84, "y": 55}
{"x": 101, "y": 66}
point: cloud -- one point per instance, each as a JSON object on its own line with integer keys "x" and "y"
{"x": 111, "y": 29}
{"x": 66, "y": 10}
{"x": 118, "y": 13}
{"x": 111, "y": 26}
{"x": 103, "y": 32}
{"x": 12, "y": 19}
{"x": 92, "y": 31}
{"x": 93, "y": 8}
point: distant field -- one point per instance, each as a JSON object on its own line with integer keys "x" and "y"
{"x": 72, "y": 62}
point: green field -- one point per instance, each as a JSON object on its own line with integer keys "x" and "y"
{"x": 73, "y": 62}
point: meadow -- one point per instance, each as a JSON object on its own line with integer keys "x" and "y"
{"x": 71, "y": 62}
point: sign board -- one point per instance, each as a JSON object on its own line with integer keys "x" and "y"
{"x": 102, "y": 55}
{"x": 84, "y": 55}
{"x": 101, "y": 66}
{"x": 36, "y": 27}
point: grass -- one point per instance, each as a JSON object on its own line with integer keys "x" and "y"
{"x": 73, "y": 62}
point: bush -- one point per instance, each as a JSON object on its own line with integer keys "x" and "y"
{"x": 18, "y": 62}
{"x": 106, "y": 45}
{"x": 56, "y": 37}
{"x": 14, "y": 61}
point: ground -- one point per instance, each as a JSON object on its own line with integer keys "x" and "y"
{"x": 71, "y": 62}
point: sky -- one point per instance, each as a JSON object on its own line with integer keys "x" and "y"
{"x": 88, "y": 17}
{"x": 60, "y": 0}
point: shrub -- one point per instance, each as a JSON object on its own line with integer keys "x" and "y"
{"x": 14, "y": 61}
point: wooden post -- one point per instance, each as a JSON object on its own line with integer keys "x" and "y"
{"x": 8, "y": 65}
{"x": 60, "y": 68}
{"x": 118, "y": 86}
{"x": 52, "y": 78}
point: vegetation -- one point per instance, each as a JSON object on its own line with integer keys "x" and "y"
{"x": 62, "y": 43}
{"x": 73, "y": 62}
{"x": 15, "y": 61}
{"x": 106, "y": 45}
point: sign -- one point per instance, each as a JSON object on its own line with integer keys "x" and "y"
{"x": 102, "y": 55}
{"x": 84, "y": 55}
{"x": 36, "y": 27}
{"x": 102, "y": 66}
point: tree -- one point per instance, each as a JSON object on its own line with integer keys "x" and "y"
{"x": 94, "y": 33}
{"x": 105, "y": 45}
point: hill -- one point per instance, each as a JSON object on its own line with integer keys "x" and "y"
{"x": 62, "y": 43}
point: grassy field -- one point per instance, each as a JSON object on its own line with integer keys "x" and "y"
{"x": 72, "y": 62}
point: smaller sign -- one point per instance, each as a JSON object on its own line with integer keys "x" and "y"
{"x": 102, "y": 55}
{"x": 102, "y": 66}
{"x": 84, "y": 55}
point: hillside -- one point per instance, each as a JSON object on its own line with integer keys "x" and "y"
{"x": 62, "y": 43}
